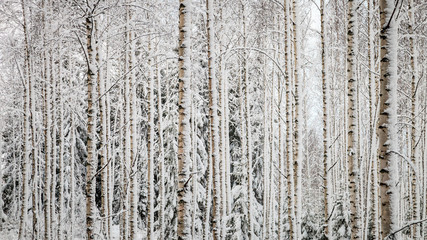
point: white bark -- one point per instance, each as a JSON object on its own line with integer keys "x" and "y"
{"x": 161, "y": 157}
{"x": 386, "y": 130}
{"x": 247, "y": 116}
{"x": 184, "y": 193}
{"x": 297, "y": 158}
{"x": 91, "y": 129}
{"x": 133, "y": 163}
{"x": 26, "y": 130}
{"x": 150, "y": 151}
{"x": 61, "y": 167}
{"x": 213, "y": 116}
{"x": 353, "y": 168}
{"x": 72, "y": 181}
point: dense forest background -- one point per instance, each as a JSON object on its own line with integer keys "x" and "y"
{"x": 203, "y": 119}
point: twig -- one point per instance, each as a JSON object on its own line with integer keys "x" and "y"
{"x": 406, "y": 226}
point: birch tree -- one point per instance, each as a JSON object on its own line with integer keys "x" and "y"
{"x": 91, "y": 122}
{"x": 289, "y": 125}
{"x": 265, "y": 120}
{"x": 133, "y": 158}
{"x": 326, "y": 176}
{"x": 353, "y": 170}
{"x": 213, "y": 110}
{"x": 297, "y": 148}
{"x": 26, "y": 136}
{"x": 386, "y": 131}
{"x": 184, "y": 143}
{"x": 415, "y": 193}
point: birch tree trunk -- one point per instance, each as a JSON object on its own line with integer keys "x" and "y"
{"x": 61, "y": 153}
{"x": 34, "y": 172}
{"x": 386, "y": 131}
{"x": 280, "y": 156}
{"x": 194, "y": 144}
{"x": 133, "y": 163}
{"x": 325, "y": 92}
{"x": 150, "y": 151}
{"x": 248, "y": 130}
{"x": 353, "y": 171}
{"x": 213, "y": 111}
{"x": 48, "y": 151}
{"x": 47, "y": 132}
{"x": 373, "y": 114}
{"x": 72, "y": 183}
{"x": 102, "y": 134}
{"x": 126, "y": 160}
{"x": 266, "y": 183}
{"x": 91, "y": 128}
{"x": 109, "y": 153}
{"x": 161, "y": 156}
{"x": 27, "y": 121}
{"x": 272, "y": 191}
{"x": 184, "y": 139}
{"x": 297, "y": 148}
{"x": 415, "y": 193}
{"x": 25, "y": 160}
{"x": 242, "y": 134}
{"x": 53, "y": 86}
{"x": 289, "y": 125}
{"x": 222, "y": 133}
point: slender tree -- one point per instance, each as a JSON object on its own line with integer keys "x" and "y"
{"x": 61, "y": 166}
{"x": 47, "y": 131}
{"x": 27, "y": 119}
{"x": 372, "y": 86}
{"x": 133, "y": 158}
{"x": 415, "y": 193}
{"x": 247, "y": 116}
{"x": 150, "y": 151}
{"x": 91, "y": 122}
{"x": 102, "y": 133}
{"x": 161, "y": 155}
{"x": 386, "y": 131}
{"x": 297, "y": 151}
{"x": 289, "y": 125}
{"x": 213, "y": 111}
{"x": 326, "y": 176}
{"x": 184, "y": 143}
{"x": 353, "y": 171}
